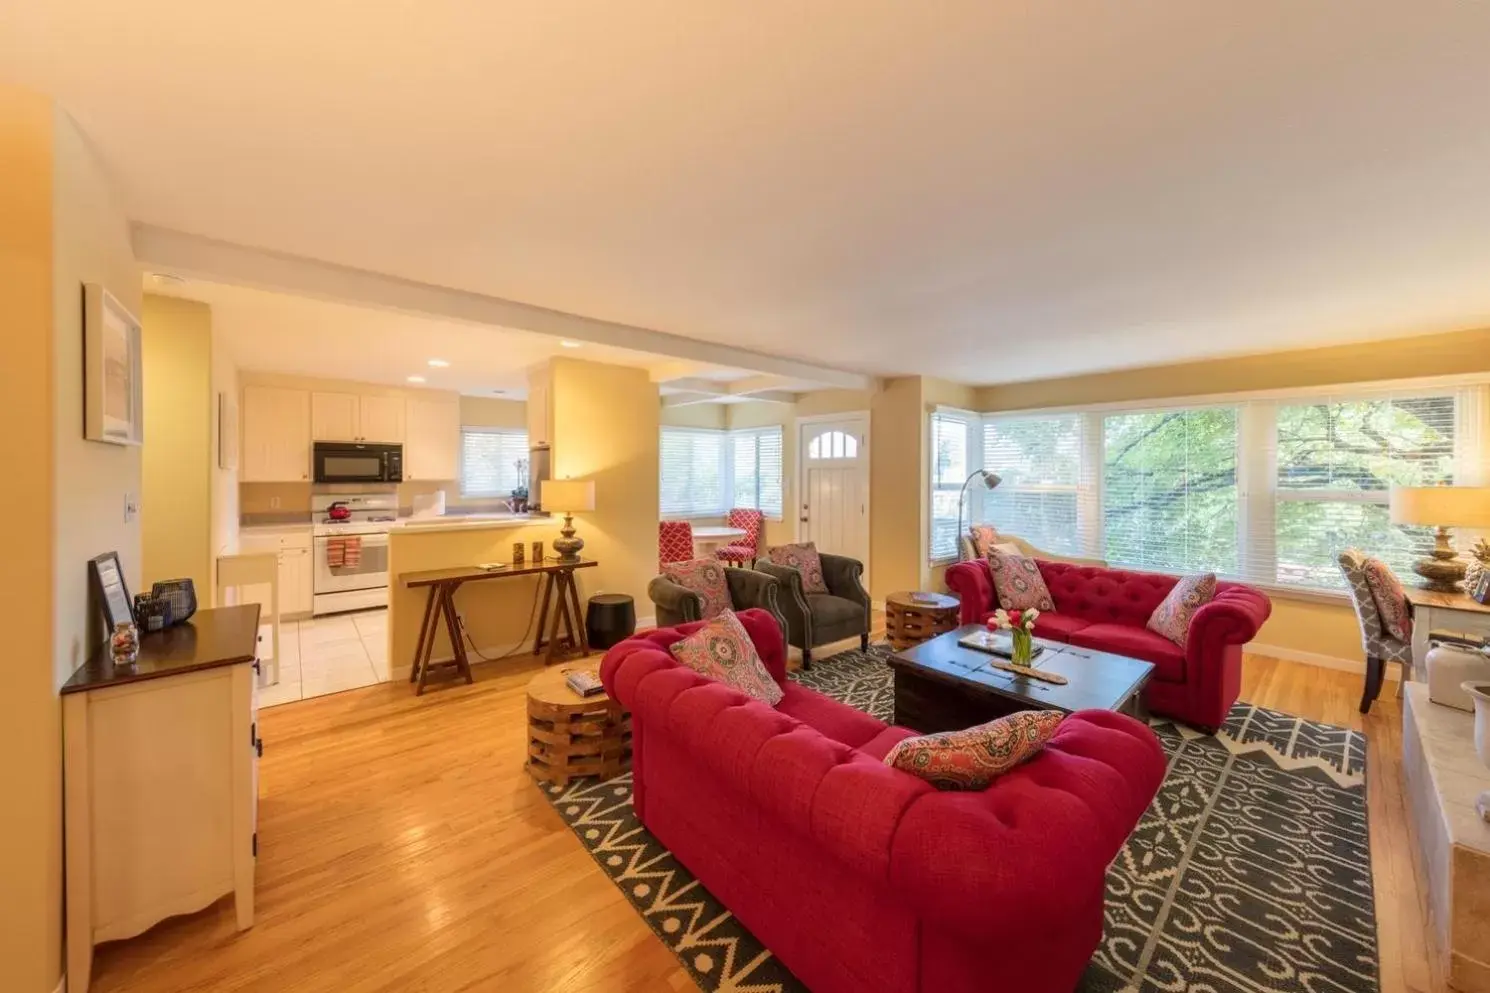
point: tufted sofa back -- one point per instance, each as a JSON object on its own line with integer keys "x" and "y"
{"x": 1108, "y": 596}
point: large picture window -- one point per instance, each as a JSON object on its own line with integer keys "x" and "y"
{"x": 756, "y": 468}
{"x": 1039, "y": 459}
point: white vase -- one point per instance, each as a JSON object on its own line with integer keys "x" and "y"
{"x": 1481, "y": 694}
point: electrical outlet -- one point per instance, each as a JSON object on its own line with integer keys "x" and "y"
{"x": 131, "y": 507}
{"x": 274, "y": 503}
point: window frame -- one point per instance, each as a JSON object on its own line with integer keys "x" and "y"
{"x": 725, "y": 472}
{"x": 478, "y": 429}
{"x": 764, "y": 431}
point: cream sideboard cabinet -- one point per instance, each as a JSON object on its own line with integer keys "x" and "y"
{"x": 160, "y": 772}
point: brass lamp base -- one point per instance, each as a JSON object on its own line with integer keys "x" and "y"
{"x": 1443, "y": 570}
{"x": 568, "y": 546}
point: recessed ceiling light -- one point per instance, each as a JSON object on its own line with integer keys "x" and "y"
{"x": 569, "y": 344}
{"x": 439, "y": 363}
{"x": 416, "y": 379}
{"x": 166, "y": 279}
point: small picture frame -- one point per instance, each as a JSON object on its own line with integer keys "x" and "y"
{"x": 106, "y": 579}
{"x": 1481, "y": 591}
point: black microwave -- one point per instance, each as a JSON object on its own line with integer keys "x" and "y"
{"x": 344, "y": 462}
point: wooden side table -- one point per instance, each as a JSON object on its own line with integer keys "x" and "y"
{"x": 570, "y": 735}
{"x": 911, "y": 618}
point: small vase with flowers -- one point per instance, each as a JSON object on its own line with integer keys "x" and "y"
{"x": 1021, "y": 627}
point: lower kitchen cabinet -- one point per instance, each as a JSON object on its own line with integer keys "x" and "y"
{"x": 296, "y": 570}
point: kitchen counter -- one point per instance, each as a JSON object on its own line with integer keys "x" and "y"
{"x": 473, "y": 522}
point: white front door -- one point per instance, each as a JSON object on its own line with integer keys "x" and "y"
{"x": 833, "y": 483}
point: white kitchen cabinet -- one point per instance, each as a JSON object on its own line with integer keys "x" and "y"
{"x": 357, "y": 417}
{"x": 276, "y": 435}
{"x": 432, "y": 442}
{"x": 296, "y": 581}
{"x": 539, "y": 414}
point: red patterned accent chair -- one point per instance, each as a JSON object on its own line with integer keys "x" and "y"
{"x": 674, "y": 542}
{"x": 1108, "y": 609}
{"x": 748, "y": 549}
{"x": 863, "y": 877}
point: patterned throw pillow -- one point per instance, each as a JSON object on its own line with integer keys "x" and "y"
{"x": 984, "y": 537}
{"x": 1172, "y": 617}
{"x": 975, "y": 757}
{"x": 1391, "y": 599}
{"x": 721, "y": 650}
{"x": 802, "y": 557}
{"x": 704, "y": 577}
{"x": 1017, "y": 582}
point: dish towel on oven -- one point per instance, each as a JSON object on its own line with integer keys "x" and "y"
{"x": 336, "y": 553}
{"x": 351, "y": 552}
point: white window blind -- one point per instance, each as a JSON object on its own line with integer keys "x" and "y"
{"x": 950, "y": 464}
{"x": 693, "y": 477}
{"x": 756, "y": 465}
{"x": 493, "y": 461}
{"x": 1041, "y": 461}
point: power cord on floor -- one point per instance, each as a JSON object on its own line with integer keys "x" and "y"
{"x": 532, "y": 615}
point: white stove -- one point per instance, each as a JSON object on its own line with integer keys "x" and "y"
{"x": 351, "y": 550}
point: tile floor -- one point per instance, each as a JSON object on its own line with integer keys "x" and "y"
{"x": 327, "y": 655}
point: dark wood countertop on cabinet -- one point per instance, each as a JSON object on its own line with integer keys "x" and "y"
{"x": 215, "y": 636}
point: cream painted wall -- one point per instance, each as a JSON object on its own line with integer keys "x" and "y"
{"x": 224, "y": 482}
{"x": 60, "y": 227}
{"x": 696, "y": 415}
{"x": 489, "y": 412}
{"x": 176, "y": 518}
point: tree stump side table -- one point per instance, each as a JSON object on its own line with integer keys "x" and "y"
{"x": 911, "y": 618}
{"x": 570, "y": 735}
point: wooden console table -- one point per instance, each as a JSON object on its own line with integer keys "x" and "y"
{"x": 1455, "y": 613}
{"x": 560, "y": 605}
{"x": 160, "y": 781}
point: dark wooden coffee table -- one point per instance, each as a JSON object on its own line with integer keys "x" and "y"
{"x": 941, "y": 686}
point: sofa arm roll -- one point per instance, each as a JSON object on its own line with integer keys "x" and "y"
{"x": 845, "y": 578}
{"x": 1233, "y": 617}
{"x": 749, "y": 589}
{"x": 675, "y": 604}
{"x": 973, "y": 585}
{"x": 791, "y": 600}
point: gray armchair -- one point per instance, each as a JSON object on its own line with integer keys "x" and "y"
{"x": 677, "y": 605}
{"x": 814, "y": 619}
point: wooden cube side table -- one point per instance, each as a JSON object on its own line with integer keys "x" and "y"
{"x": 911, "y": 618}
{"x": 570, "y": 735}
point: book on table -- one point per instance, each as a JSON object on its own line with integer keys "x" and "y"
{"x": 584, "y": 682}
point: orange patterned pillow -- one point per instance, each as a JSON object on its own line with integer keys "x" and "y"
{"x": 1017, "y": 582}
{"x": 704, "y": 577}
{"x": 804, "y": 558}
{"x": 984, "y": 537}
{"x": 1172, "y": 617}
{"x": 973, "y": 758}
{"x": 722, "y": 650}
{"x": 1390, "y": 597}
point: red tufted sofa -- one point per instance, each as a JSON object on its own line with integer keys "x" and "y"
{"x": 862, "y": 877}
{"x": 1108, "y": 609}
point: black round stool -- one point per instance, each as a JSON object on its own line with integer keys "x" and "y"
{"x": 610, "y": 619}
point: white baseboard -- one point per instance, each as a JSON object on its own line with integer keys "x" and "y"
{"x": 1394, "y": 672}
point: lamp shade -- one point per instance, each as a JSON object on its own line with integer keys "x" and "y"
{"x": 1441, "y": 506}
{"x": 566, "y": 495}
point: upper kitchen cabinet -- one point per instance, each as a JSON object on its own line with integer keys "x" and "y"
{"x": 432, "y": 446}
{"x": 357, "y": 417}
{"x": 276, "y": 435}
{"x": 539, "y": 408}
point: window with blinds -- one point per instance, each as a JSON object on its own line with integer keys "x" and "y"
{"x": 951, "y": 434}
{"x": 1040, "y": 461}
{"x": 756, "y": 469}
{"x": 493, "y": 461}
{"x": 1169, "y": 490}
{"x": 693, "y": 477}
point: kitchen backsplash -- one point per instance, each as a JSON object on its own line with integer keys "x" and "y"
{"x": 289, "y": 503}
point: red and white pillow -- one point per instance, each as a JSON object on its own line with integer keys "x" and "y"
{"x": 983, "y": 537}
{"x": 704, "y": 577}
{"x": 1391, "y": 598}
{"x": 1017, "y": 582}
{"x": 1172, "y": 617}
{"x": 804, "y": 558}
{"x": 721, "y": 650}
{"x": 972, "y": 758}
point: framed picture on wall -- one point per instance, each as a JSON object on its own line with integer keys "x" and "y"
{"x": 113, "y": 404}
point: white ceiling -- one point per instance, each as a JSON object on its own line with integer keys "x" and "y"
{"x": 982, "y": 191}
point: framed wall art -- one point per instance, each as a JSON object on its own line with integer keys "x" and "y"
{"x": 113, "y": 404}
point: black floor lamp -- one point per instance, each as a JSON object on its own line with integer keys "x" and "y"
{"x": 990, "y": 480}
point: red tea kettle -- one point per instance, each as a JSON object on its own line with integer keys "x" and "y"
{"x": 339, "y": 511}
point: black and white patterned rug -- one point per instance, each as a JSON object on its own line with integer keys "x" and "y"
{"x": 1250, "y": 872}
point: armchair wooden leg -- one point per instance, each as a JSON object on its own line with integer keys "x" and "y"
{"x": 806, "y": 659}
{"x": 864, "y": 642}
{"x": 1375, "y": 670}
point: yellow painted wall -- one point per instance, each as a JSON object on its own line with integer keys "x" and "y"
{"x": 1306, "y": 627}
{"x": 696, "y": 415}
{"x": 490, "y": 412}
{"x": 176, "y": 485}
{"x": 59, "y": 228}
{"x": 224, "y": 481}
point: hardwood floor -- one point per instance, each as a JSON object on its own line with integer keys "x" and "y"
{"x": 402, "y": 847}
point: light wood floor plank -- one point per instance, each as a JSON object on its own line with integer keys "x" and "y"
{"x": 402, "y": 848}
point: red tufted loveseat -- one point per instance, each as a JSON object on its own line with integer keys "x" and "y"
{"x": 862, "y": 877}
{"x": 1108, "y": 609}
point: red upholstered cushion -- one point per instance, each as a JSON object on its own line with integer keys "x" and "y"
{"x": 1172, "y": 617}
{"x": 845, "y": 725}
{"x": 804, "y": 558}
{"x": 722, "y": 651}
{"x": 1057, "y": 626}
{"x": 1138, "y": 643}
{"x": 974, "y": 757}
{"x": 674, "y": 542}
{"x": 704, "y": 577}
{"x": 1105, "y": 596}
{"x": 735, "y": 553}
{"x": 879, "y": 746}
{"x": 753, "y": 523}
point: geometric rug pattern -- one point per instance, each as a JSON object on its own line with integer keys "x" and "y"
{"x": 1250, "y": 872}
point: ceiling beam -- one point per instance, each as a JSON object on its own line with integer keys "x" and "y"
{"x": 207, "y": 258}
{"x": 688, "y": 399}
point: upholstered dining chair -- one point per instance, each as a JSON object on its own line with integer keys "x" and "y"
{"x": 1380, "y": 645}
{"x": 748, "y": 548}
{"x": 674, "y": 542}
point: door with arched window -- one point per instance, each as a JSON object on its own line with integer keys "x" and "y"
{"x": 833, "y": 485}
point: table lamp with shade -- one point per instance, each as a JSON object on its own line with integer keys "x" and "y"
{"x": 1442, "y": 508}
{"x": 566, "y": 496}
